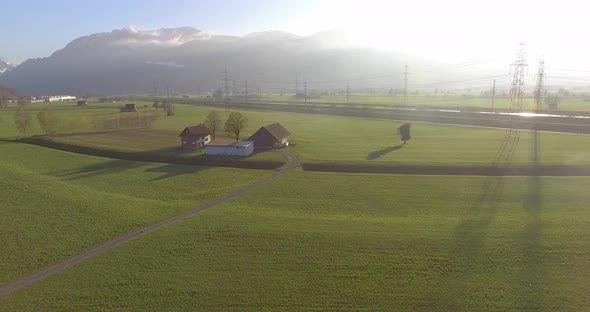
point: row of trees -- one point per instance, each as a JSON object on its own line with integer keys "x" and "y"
{"x": 49, "y": 123}
{"x": 46, "y": 118}
{"x": 234, "y": 125}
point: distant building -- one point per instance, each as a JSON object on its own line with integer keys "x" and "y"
{"x": 59, "y": 98}
{"x": 271, "y": 136}
{"x": 82, "y": 103}
{"x": 229, "y": 148}
{"x": 195, "y": 136}
{"x": 129, "y": 108}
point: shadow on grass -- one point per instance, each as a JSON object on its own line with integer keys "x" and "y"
{"x": 531, "y": 273}
{"x": 101, "y": 168}
{"x": 467, "y": 259}
{"x": 177, "y": 150}
{"x": 171, "y": 171}
{"x": 376, "y": 154}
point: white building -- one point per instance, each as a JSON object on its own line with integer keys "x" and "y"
{"x": 59, "y": 98}
{"x": 229, "y": 148}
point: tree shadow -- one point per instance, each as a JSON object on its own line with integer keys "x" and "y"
{"x": 376, "y": 154}
{"x": 101, "y": 168}
{"x": 177, "y": 150}
{"x": 172, "y": 170}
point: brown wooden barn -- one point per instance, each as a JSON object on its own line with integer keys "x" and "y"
{"x": 271, "y": 136}
{"x": 195, "y": 136}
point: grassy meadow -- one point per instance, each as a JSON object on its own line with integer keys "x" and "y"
{"x": 322, "y": 138}
{"x": 317, "y": 241}
{"x": 55, "y": 205}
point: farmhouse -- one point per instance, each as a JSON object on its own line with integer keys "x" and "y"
{"x": 271, "y": 136}
{"x": 195, "y": 136}
{"x": 128, "y": 108}
{"x": 229, "y": 148}
{"x": 82, "y": 103}
{"x": 59, "y": 98}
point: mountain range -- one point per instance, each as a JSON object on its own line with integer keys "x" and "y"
{"x": 5, "y": 65}
{"x": 187, "y": 60}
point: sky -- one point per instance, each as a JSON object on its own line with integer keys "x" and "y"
{"x": 454, "y": 30}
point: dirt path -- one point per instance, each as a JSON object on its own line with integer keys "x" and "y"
{"x": 33, "y": 278}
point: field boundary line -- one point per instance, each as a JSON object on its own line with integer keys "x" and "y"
{"x": 35, "y": 277}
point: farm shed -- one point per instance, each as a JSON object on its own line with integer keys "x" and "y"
{"x": 271, "y": 136}
{"x": 129, "y": 108}
{"x": 60, "y": 98}
{"x": 82, "y": 104}
{"x": 229, "y": 148}
{"x": 195, "y": 136}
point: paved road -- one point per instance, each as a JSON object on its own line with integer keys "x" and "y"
{"x": 31, "y": 279}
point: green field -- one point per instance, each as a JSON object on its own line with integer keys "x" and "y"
{"x": 567, "y": 104}
{"x": 313, "y": 241}
{"x": 55, "y": 205}
{"x": 321, "y": 138}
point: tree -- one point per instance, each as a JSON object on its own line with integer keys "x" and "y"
{"x": 404, "y": 131}
{"x": 6, "y": 94}
{"x": 213, "y": 122}
{"x": 170, "y": 109}
{"x": 156, "y": 105}
{"x": 47, "y": 120}
{"x": 22, "y": 120}
{"x": 234, "y": 124}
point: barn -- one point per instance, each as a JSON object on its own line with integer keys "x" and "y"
{"x": 129, "y": 108}
{"x": 195, "y": 136}
{"x": 271, "y": 136}
{"x": 229, "y": 148}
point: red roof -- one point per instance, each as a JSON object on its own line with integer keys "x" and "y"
{"x": 198, "y": 131}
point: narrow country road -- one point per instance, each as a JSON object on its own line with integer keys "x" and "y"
{"x": 33, "y": 278}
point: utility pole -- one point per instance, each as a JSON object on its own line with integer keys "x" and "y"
{"x": 517, "y": 88}
{"x": 167, "y": 92}
{"x": 535, "y": 135}
{"x": 539, "y": 88}
{"x": 305, "y": 90}
{"x": 347, "y": 93}
{"x": 493, "y": 93}
{"x": 226, "y": 82}
{"x": 406, "y": 85}
{"x": 246, "y": 91}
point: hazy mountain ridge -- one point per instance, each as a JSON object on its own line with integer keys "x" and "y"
{"x": 189, "y": 60}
